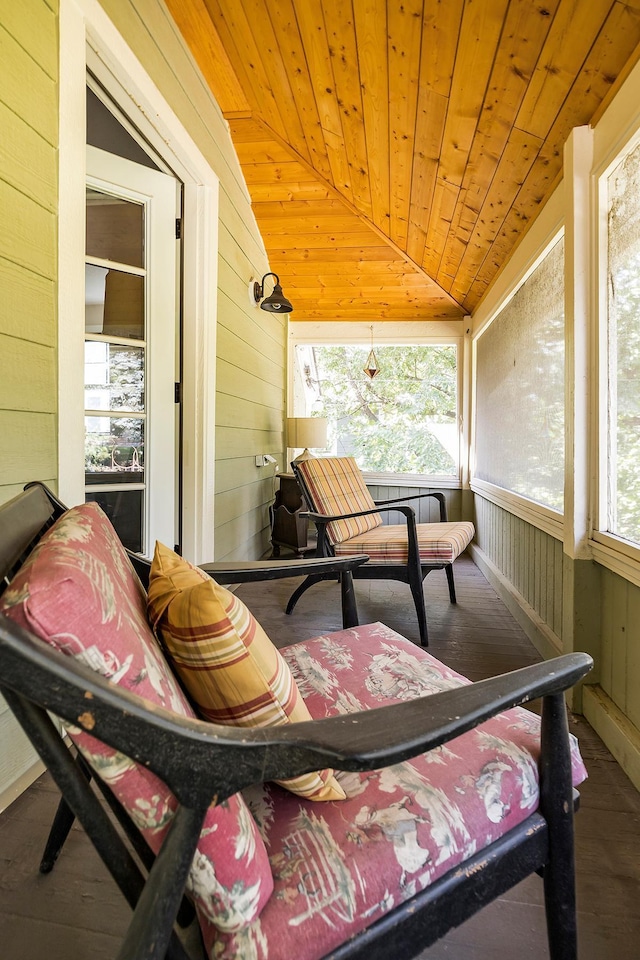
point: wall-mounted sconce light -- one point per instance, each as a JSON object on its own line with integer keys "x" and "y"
{"x": 277, "y": 302}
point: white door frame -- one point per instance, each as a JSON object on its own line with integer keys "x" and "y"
{"x": 88, "y": 39}
{"x": 156, "y": 193}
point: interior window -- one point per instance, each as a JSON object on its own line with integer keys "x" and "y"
{"x": 115, "y": 362}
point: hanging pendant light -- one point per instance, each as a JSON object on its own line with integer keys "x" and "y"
{"x": 371, "y": 367}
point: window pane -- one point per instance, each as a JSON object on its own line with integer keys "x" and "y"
{"x": 624, "y": 349}
{"x": 124, "y": 509}
{"x": 405, "y": 420}
{"x": 113, "y": 377}
{"x": 114, "y": 450}
{"x": 520, "y": 389}
{"x": 114, "y": 302}
{"x": 115, "y": 229}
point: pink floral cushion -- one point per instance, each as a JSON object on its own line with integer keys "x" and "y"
{"x": 339, "y": 868}
{"x": 79, "y": 592}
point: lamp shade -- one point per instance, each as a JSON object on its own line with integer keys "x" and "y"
{"x": 306, "y": 432}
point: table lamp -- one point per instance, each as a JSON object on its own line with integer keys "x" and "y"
{"x": 305, "y": 432}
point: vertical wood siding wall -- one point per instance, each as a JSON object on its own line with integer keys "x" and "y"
{"x": 28, "y": 200}
{"x": 251, "y": 343}
{"x": 620, "y": 644}
{"x": 427, "y": 511}
{"x": 530, "y": 559}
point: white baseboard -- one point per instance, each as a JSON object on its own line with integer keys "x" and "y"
{"x": 616, "y": 730}
{"x": 12, "y": 792}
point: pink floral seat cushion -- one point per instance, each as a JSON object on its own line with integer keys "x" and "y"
{"x": 340, "y": 868}
{"x": 79, "y": 592}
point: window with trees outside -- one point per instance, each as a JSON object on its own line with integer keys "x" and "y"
{"x": 623, "y": 295}
{"x": 404, "y": 421}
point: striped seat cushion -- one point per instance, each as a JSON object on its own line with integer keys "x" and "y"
{"x": 437, "y": 542}
{"x": 336, "y": 486}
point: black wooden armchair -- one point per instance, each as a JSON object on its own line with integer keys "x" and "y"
{"x": 349, "y": 522}
{"x": 200, "y": 761}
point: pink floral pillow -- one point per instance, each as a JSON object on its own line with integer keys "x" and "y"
{"x": 79, "y": 592}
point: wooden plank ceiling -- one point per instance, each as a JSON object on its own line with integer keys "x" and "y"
{"x": 397, "y": 150}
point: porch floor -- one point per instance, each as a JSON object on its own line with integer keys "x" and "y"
{"x": 76, "y": 912}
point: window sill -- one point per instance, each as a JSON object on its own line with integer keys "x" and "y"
{"x": 620, "y": 556}
{"x": 544, "y": 518}
{"x": 415, "y": 480}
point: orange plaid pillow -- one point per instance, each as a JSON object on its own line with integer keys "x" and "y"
{"x": 231, "y": 670}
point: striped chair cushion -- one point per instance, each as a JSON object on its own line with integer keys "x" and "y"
{"x": 335, "y": 486}
{"x": 437, "y": 542}
{"x": 231, "y": 670}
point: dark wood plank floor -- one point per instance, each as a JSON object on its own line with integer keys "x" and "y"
{"x": 76, "y": 912}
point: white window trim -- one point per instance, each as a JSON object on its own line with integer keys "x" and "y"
{"x": 411, "y": 480}
{"x": 388, "y": 333}
{"x": 616, "y": 134}
{"x": 88, "y": 39}
{"x": 620, "y": 556}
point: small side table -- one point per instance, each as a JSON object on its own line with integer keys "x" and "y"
{"x": 288, "y": 528}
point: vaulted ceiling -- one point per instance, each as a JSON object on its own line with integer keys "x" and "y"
{"x": 397, "y": 150}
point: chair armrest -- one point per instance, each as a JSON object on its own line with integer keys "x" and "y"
{"x": 418, "y": 496}
{"x": 200, "y": 760}
{"x": 322, "y": 521}
{"x": 325, "y": 518}
{"x": 252, "y": 571}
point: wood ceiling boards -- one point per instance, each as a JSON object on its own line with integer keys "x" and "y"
{"x": 395, "y": 152}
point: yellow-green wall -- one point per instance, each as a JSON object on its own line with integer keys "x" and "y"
{"x": 28, "y": 240}
{"x": 28, "y": 243}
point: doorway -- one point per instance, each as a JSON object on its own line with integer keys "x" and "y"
{"x": 132, "y": 346}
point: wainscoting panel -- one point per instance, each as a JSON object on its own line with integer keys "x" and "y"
{"x": 427, "y": 511}
{"x": 529, "y": 559}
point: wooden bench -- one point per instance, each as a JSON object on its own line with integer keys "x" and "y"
{"x": 443, "y": 810}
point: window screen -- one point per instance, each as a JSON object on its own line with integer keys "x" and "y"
{"x": 623, "y": 486}
{"x": 520, "y": 389}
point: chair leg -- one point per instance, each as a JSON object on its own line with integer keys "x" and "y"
{"x": 417, "y": 592}
{"x": 557, "y": 806}
{"x": 349, "y": 605}
{"x": 62, "y": 823}
{"x": 61, "y": 826}
{"x": 452, "y": 587}
{"x": 297, "y": 593}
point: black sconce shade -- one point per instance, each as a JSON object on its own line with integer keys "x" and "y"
{"x": 277, "y": 302}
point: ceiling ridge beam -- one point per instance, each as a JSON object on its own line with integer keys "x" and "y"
{"x": 353, "y": 209}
